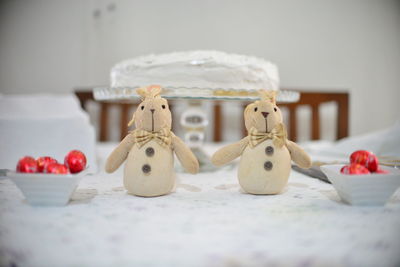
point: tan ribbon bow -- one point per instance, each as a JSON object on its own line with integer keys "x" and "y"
{"x": 278, "y": 135}
{"x": 163, "y": 137}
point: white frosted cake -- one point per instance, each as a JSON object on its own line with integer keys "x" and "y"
{"x": 197, "y": 69}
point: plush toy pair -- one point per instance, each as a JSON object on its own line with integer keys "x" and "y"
{"x": 266, "y": 153}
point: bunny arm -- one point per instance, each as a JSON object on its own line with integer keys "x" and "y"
{"x": 298, "y": 155}
{"x": 229, "y": 152}
{"x": 185, "y": 155}
{"x": 120, "y": 153}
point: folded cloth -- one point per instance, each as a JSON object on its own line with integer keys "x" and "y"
{"x": 44, "y": 125}
{"x": 383, "y": 143}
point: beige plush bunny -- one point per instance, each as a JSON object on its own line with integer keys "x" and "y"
{"x": 266, "y": 153}
{"x": 148, "y": 150}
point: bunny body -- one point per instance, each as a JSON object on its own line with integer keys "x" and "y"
{"x": 149, "y": 174}
{"x": 253, "y": 175}
{"x": 266, "y": 154}
{"x": 149, "y": 149}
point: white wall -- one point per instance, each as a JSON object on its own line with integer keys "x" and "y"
{"x": 53, "y": 46}
{"x": 41, "y": 45}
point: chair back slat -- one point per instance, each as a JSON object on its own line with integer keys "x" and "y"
{"x": 104, "y": 121}
{"x": 315, "y": 125}
{"x": 217, "y": 122}
{"x": 292, "y": 123}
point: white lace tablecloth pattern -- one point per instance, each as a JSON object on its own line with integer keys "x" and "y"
{"x": 207, "y": 221}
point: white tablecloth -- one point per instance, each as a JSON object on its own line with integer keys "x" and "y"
{"x": 206, "y": 222}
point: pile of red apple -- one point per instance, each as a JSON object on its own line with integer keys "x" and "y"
{"x": 362, "y": 162}
{"x": 74, "y": 162}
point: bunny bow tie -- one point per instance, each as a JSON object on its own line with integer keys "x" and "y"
{"x": 163, "y": 137}
{"x": 278, "y": 135}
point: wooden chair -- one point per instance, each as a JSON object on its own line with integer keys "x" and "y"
{"x": 312, "y": 99}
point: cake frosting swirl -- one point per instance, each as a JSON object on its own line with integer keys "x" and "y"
{"x": 199, "y": 69}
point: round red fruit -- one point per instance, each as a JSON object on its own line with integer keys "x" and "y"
{"x": 365, "y": 158}
{"x": 75, "y": 160}
{"x": 27, "y": 164}
{"x": 42, "y": 163}
{"x": 56, "y": 168}
{"x": 372, "y": 163}
{"x": 359, "y": 156}
{"x": 354, "y": 168}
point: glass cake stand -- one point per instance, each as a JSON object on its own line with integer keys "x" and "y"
{"x": 194, "y": 119}
{"x": 193, "y": 93}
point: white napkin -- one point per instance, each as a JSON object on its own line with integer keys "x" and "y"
{"x": 382, "y": 143}
{"x": 44, "y": 125}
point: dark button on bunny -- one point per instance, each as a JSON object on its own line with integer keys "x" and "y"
{"x": 150, "y": 151}
{"x": 146, "y": 168}
{"x": 269, "y": 150}
{"x": 268, "y": 165}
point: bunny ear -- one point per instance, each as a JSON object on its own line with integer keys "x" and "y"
{"x": 149, "y": 91}
{"x": 132, "y": 120}
{"x": 268, "y": 96}
{"x": 142, "y": 92}
{"x": 154, "y": 90}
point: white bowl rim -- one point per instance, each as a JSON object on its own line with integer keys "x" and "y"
{"x": 13, "y": 174}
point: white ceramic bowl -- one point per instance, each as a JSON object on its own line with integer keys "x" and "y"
{"x": 368, "y": 189}
{"x": 46, "y": 189}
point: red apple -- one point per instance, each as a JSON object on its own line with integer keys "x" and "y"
{"x": 365, "y": 158}
{"x": 75, "y": 160}
{"x": 56, "y": 168}
{"x": 42, "y": 163}
{"x": 27, "y": 164}
{"x": 354, "y": 168}
{"x": 359, "y": 156}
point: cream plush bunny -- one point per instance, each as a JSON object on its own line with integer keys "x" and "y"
{"x": 148, "y": 150}
{"x": 266, "y": 154}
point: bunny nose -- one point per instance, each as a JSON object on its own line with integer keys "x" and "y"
{"x": 152, "y": 110}
{"x": 265, "y": 114}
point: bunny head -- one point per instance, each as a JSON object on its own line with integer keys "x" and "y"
{"x": 153, "y": 112}
{"x": 263, "y": 114}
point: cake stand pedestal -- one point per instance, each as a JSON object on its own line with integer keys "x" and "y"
{"x": 194, "y": 122}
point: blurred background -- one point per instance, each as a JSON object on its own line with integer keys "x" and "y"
{"x": 56, "y": 46}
